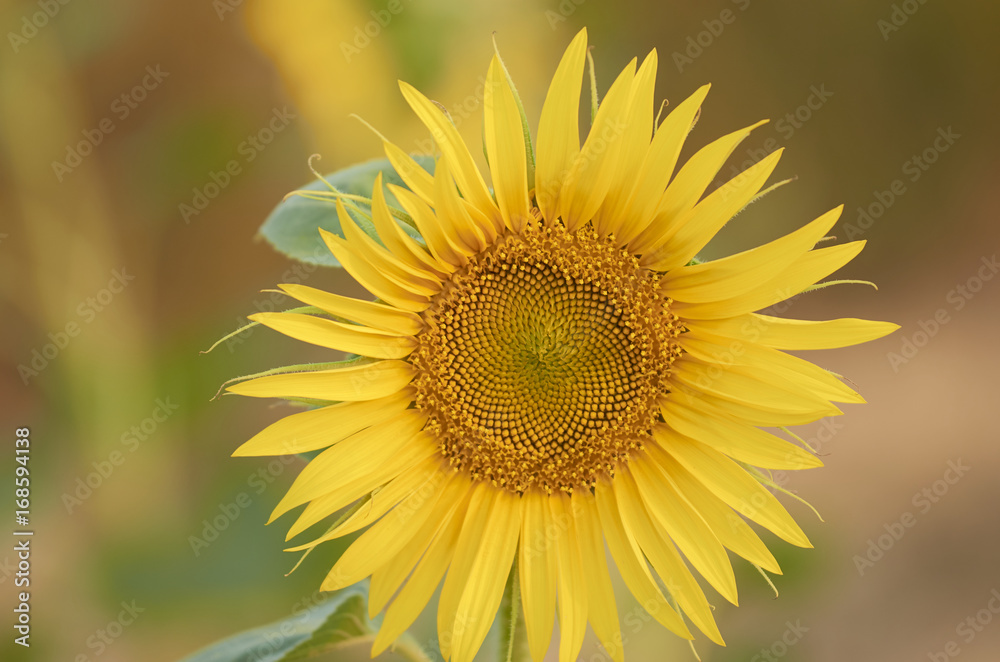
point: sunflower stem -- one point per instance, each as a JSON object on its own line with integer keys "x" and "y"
{"x": 514, "y": 640}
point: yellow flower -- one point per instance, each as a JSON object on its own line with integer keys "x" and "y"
{"x": 550, "y": 371}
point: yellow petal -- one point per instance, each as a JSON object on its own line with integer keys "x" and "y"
{"x": 482, "y": 500}
{"x": 337, "y": 335}
{"x": 796, "y": 334}
{"x": 710, "y": 404}
{"x": 441, "y": 502}
{"x": 319, "y": 428}
{"x": 687, "y": 188}
{"x": 369, "y": 313}
{"x": 443, "y": 250}
{"x": 805, "y": 271}
{"x": 770, "y": 365}
{"x": 387, "y": 578}
{"x": 571, "y": 583}
{"x": 632, "y": 565}
{"x": 385, "y": 540}
{"x": 602, "y": 612}
{"x": 685, "y": 527}
{"x": 411, "y": 278}
{"x": 743, "y": 385}
{"x": 371, "y": 279}
{"x": 538, "y": 579}
{"x": 490, "y": 228}
{"x": 402, "y": 245}
{"x": 412, "y": 173}
{"x": 741, "y": 442}
{"x": 593, "y": 170}
{"x": 417, "y": 592}
{"x": 697, "y": 227}
{"x": 487, "y": 577}
{"x": 716, "y": 406}
{"x": 356, "y": 382}
{"x": 357, "y": 465}
{"x": 469, "y": 179}
{"x": 463, "y": 233}
{"x": 737, "y": 274}
{"x": 731, "y": 483}
{"x": 559, "y": 127}
{"x": 656, "y": 546}
{"x": 729, "y": 527}
{"x": 366, "y": 479}
{"x": 408, "y": 490}
{"x": 633, "y": 145}
{"x": 657, "y": 167}
{"x": 503, "y": 136}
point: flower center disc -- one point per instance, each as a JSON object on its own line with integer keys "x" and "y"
{"x": 543, "y": 359}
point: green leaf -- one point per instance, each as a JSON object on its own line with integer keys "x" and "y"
{"x": 346, "y": 625}
{"x": 292, "y": 226}
{"x": 338, "y": 623}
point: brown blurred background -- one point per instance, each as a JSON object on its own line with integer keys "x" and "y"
{"x": 115, "y": 114}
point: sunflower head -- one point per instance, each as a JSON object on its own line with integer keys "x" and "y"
{"x": 546, "y": 371}
{"x": 543, "y": 360}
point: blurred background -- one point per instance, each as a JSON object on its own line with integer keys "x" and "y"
{"x": 144, "y": 143}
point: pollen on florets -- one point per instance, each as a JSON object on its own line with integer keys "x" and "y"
{"x": 543, "y": 359}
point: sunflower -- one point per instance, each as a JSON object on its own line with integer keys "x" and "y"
{"x": 549, "y": 373}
